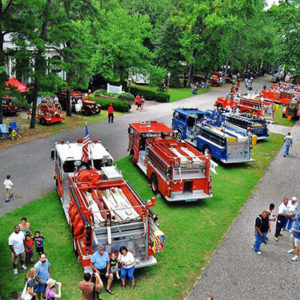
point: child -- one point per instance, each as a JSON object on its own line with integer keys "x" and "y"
{"x": 39, "y": 242}
{"x": 8, "y": 185}
{"x": 114, "y": 265}
{"x": 29, "y": 249}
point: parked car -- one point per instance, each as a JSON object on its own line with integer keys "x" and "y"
{"x": 8, "y": 107}
{"x": 79, "y": 104}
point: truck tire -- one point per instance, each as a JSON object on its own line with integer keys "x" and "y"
{"x": 87, "y": 112}
{"x": 43, "y": 121}
{"x": 179, "y": 136}
{"x": 154, "y": 184}
{"x": 206, "y": 150}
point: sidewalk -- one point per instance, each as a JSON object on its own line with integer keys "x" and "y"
{"x": 235, "y": 271}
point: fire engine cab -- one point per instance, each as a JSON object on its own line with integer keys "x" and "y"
{"x": 102, "y": 208}
{"x": 177, "y": 171}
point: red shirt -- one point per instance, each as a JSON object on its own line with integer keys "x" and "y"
{"x": 233, "y": 91}
{"x": 110, "y": 109}
{"x": 29, "y": 245}
{"x": 138, "y": 100}
{"x": 238, "y": 84}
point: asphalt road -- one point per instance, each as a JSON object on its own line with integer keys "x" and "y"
{"x": 30, "y": 165}
{"x": 235, "y": 271}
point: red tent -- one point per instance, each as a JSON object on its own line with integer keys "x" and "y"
{"x": 22, "y": 88}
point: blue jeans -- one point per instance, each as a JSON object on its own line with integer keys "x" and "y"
{"x": 286, "y": 150}
{"x": 289, "y": 223}
{"x": 128, "y": 272}
{"x": 265, "y": 235}
{"x": 258, "y": 241}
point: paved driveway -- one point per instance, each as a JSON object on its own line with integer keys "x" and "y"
{"x": 235, "y": 271}
{"x": 30, "y": 165}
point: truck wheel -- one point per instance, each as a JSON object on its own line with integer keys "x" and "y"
{"x": 43, "y": 121}
{"x": 206, "y": 151}
{"x": 179, "y": 136}
{"x": 154, "y": 183}
{"x": 87, "y": 112}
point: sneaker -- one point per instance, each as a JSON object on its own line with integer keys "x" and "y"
{"x": 6, "y": 200}
{"x": 132, "y": 287}
{"x": 16, "y": 271}
{"x": 109, "y": 291}
{"x": 24, "y": 267}
{"x": 276, "y": 238}
{"x": 258, "y": 252}
{"x": 295, "y": 258}
{"x": 11, "y": 195}
{"x": 123, "y": 287}
{"x": 292, "y": 251}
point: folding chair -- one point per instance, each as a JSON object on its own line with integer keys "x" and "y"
{"x": 3, "y": 130}
{"x": 13, "y": 126}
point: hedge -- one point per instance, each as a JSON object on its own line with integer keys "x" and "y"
{"x": 150, "y": 95}
{"x": 126, "y": 96}
{"x": 118, "y": 105}
{"x": 105, "y": 93}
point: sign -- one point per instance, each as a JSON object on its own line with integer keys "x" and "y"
{"x": 114, "y": 89}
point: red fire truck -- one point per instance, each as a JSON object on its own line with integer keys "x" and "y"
{"x": 246, "y": 104}
{"x": 176, "y": 170}
{"x": 102, "y": 208}
{"x": 277, "y": 96}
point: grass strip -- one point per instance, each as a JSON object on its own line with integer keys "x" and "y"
{"x": 193, "y": 231}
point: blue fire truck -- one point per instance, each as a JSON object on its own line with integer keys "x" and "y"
{"x": 224, "y": 144}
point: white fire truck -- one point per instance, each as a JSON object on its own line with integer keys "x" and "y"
{"x": 102, "y": 208}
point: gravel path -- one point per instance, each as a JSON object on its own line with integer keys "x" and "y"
{"x": 30, "y": 165}
{"x": 235, "y": 271}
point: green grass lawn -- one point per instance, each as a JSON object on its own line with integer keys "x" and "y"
{"x": 193, "y": 231}
{"x": 279, "y": 120}
{"x": 176, "y": 94}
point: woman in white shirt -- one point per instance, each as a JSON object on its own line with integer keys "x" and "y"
{"x": 127, "y": 262}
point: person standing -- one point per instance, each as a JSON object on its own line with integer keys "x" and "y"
{"x": 110, "y": 112}
{"x": 296, "y": 238}
{"x": 283, "y": 211}
{"x": 32, "y": 283}
{"x": 42, "y": 275}
{"x": 100, "y": 263}
{"x": 288, "y": 142}
{"x": 238, "y": 84}
{"x": 127, "y": 261}
{"x": 8, "y": 186}
{"x": 293, "y": 206}
{"x": 261, "y": 228}
{"x": 50, "y": 290}
{"x": 16, "y": 244}
{"x": 89, "y": 288}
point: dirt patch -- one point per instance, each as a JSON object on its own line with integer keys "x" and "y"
{"x": 23, "y": 121}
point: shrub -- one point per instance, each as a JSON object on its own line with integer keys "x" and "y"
{"x": 150, "y": 95}
{"x": 117, "y": 104}
{"x": 126, "y": 96}
{"x": 101, "y": 92}
{"x": 21, "y": 102}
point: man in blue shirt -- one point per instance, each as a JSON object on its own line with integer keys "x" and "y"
{"x": 42, "y": 275}
{"x": 100, "y": 263}
{"x": 296, "y": 238}
{"x": 288, "y": 142}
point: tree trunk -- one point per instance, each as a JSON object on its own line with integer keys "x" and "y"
{"x": 68, "y": 104}
{"x": 35, "y": 96}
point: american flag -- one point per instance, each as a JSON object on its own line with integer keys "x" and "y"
{"x": 85, "y": 147}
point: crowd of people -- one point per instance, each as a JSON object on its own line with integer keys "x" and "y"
{"x": 38, "y": 281}
{"x": 287, "y": 219}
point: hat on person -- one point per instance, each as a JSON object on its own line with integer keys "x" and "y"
{"x": 51, "y": 282}
{"x": 294, "y": 198}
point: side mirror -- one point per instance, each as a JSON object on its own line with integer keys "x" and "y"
{"x": 52, "y": 154}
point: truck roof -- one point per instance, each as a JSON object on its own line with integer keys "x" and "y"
{"x": 151, "y": 126}
{"x": 73, "y": 151}
{"x": 188, "y": 111}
